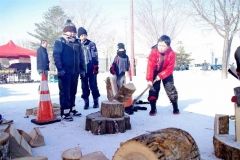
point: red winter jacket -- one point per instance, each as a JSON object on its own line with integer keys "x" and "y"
{"x": 154, "y": 63}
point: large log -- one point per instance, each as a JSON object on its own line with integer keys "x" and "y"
{"x": 98, "y": 124}
{"x": 72, "y": 154}
{"x": 111, "y": 88}
{"x": 169, "y": 143}
{"x": 125, "y": 92}
{"x": 4, "y": 146}
{"x": 112, "y": 109}
{"x": 225, "y": 147}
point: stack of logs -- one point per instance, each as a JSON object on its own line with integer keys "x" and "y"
{"x": 111, "y": 118}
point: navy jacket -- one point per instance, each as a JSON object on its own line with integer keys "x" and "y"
{"x": 67, "y": 56}
{"x": 42, "y": 59}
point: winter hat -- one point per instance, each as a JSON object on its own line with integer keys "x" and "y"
{"x": 81, "y": 31}
{"x": 121, "y": 46}
{"x": 166, "y": 39}
{"x": 69, "y": 27}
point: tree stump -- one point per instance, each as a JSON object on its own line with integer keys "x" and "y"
{"x": 125, "y": 92}
{"x": 94, "y": 156}
{"x": 225, "y": 146}
{"x": 72, "y": 154}
{"x": 4, "y": 146}
{"x": 98, "y": 124}
{"x": 112, "y": 109}
{"x": 169, "y": 143}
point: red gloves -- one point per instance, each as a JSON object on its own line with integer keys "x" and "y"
{"x": 95, "y": 69}
{"x": 112, "y": 70}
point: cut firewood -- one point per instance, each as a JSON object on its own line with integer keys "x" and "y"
{"x": 37, "y": 138}
{"x": 112, "y": 109}
{"x": 25, "y": 135}
{"x": 17, "y": 144}
{"x": 94, "y": 156}
{"x": 33, "y": 111}
{"x": 72, "y": 154}
{"x": 98, "y": 124}
{"x": 221, "y": 124}
{"x": 4, "y": 143}
{"x": 125, "y": 92}
{"x": 169, "y": 143}
{"x": 31, "y": 158}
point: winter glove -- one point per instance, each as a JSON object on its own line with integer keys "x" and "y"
{"x": 61, "y": 73}
{"x": 95, "y": 69}
{"x": 112, "y": 70}
{"x": 82, "y": 75}
{"x": 150, "y": 83}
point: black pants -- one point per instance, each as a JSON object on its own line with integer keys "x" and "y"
{"x": 169, "y": 87}
{"x": 67, "y": 90}
{"x": 89, "y": 82}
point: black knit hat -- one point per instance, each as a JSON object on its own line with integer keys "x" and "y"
{"x": 121, "y": 46}
{"x": 166, "y": 39}
{"x": 81, "y": 31}
{"x": 69, "y": 27}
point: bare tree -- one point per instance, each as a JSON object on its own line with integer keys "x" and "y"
{"x": 159, "y": 18}
{"x": 223, "y": 16}
{"x": 87, "y": 14}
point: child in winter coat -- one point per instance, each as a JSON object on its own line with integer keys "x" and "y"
{"x": 120, "y": 65}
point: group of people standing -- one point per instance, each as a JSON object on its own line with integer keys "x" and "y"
{"x": 75, "y": 55}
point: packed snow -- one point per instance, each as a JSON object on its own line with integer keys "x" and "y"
{"x": 202, "y": 94}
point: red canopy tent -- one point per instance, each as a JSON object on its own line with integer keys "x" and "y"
{"x": 12, "y": 50}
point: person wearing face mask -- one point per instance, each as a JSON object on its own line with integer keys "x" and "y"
{"x": 161, "y": 62}
{"x": 67, "y": 54}
{"x": 88, "y": 69}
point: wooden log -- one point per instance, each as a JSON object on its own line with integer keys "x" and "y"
{"x": 98, "y": 124}
{"x": 72, "y": 154}
{"x": 37, "y": 138}
{"x": 33, "y": 111}
{"x": 221, "y": 124}
{"x": 112, "y": 109}
{"x": 110, "y": 91}
{"x": 4, "y": 146}
{"x": 225, "y": 147}
{"x": 169, "y": 143}
{"x": 31, "y": 158}
{"x": 94, "y": 156}
{"x": 25, "y": 135}
{"x": 125, "y": 92}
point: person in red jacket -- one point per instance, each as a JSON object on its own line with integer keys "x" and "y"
{"x": 161, "y": 62}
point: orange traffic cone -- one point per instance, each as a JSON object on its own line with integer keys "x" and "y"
{"x": 45, "y": 114}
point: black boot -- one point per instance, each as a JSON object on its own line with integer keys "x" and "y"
{"x": 175, "y": 108}
{"x": 153, "y": 110}
{"x": 65, "y": 115}
{"x": 129, "y": 110}
{"x": 74, "y": 112}
{"x": 86, "y": 105}
{"x": 95, "y": 101}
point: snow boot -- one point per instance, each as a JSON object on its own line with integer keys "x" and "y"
{"x": 95, "y": 103}
{"x": 175, "y": 108}
{"x": 76, "y": 113}
{"x": 129, "y": 110}
{"x": 65, "y": 115}
{"x": 86, "y": 105}
{"x": 153, "y": 110}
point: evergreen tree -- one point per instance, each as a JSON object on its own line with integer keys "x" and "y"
{"x": 183, "y": 59}
{"x": 50, "y": 29}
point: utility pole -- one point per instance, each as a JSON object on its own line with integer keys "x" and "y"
{"x": 133, "y": 65}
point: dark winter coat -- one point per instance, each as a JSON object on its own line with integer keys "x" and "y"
{"x": 89, "y": 59}
{"x": 154, "y": 60}
{"x": 237, "y": 58}
{"x": 67, "y": 56}
{"x": 121, "y": 64}
{"x": 42, "y": 59}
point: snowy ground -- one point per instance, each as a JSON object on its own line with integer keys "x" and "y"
{"x": 202, "y": 94}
